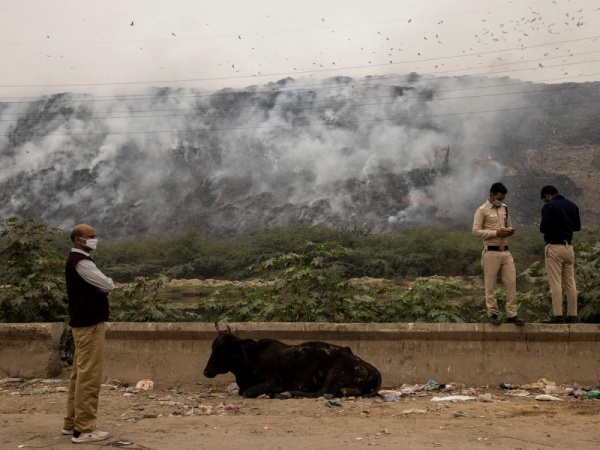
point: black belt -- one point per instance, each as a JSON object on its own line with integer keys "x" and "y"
{"x": 565, "y": 242}
{"x": 495, "y": 248}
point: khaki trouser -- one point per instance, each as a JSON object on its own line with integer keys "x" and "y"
{"x": 560, "y": 267}
{"x": 86, "y": 378}
{"x": 502, "y": 263}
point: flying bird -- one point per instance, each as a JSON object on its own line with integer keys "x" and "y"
{"x": 409, "y": 20}
{"x": 131, "y": 24}
{"x": 173, "y": 33}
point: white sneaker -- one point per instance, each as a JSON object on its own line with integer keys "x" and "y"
{"x": 67, "y": 432}
{"x": 91, "y": 436}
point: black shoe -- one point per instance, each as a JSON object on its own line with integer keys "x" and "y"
{"x": 516, "y": 320}
{"x": 494, "y": 320}
{"x": 555, "y": 320}
{"x": 571, "y": 319}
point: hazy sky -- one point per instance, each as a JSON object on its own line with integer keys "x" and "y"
{"x": 115, "y": 46}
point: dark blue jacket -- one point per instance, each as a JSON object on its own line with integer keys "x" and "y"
{"x": 560, "y": 218}
{"x": 87, "y": 305}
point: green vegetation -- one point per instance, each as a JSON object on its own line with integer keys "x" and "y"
{"x": 297, "y": 274}
{"x": 139, "y": 302}
{"x": 32, "y": 286}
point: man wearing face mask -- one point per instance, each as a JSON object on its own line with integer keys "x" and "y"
{"x": 87, "y": 291}
{"x": 492, "y": 223}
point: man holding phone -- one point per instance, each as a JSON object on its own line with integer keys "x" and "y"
{"x": 492, "y": 223}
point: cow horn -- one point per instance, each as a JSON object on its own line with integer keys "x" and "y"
{"x": 229, "y": 329}
{"x": 217, "y": 325}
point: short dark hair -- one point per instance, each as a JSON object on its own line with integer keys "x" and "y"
{"x": 548, "y": 190}
{"x": 498, "y": 188}
{"x": 75, "y": 233}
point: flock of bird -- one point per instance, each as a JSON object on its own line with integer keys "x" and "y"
{"x": 385, "y": 47}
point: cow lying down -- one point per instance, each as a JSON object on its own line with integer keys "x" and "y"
{"x": 311, "y": 369}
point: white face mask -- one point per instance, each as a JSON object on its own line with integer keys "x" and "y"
{"x": 91, "y": 243}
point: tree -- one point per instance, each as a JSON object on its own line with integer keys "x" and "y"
{"x": 32, "y": 284}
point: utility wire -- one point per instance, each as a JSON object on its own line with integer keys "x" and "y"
{"x": 337, "y": 69}
{"x": 334, "y": 123}
{"x": 331, "y": 104}
{"x": 313, "y": 87}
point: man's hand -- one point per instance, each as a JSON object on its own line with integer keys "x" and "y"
{"x": 505, "y": 232}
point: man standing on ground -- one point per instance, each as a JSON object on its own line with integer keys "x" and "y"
{"x": 560, "y": 218}
{"x": 492, "y": 223}
{"x": 87, "y": 291}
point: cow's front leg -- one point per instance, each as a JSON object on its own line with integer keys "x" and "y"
{"x": 258, "y": 389}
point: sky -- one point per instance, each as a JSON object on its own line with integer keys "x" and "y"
{"x": 105, "y": 47}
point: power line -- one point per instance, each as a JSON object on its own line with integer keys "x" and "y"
{"x": 313, "y": 87}
{"x": 345, "y": 122}
{"x": 129, "y": 83}
{"x": 345, "y": 102}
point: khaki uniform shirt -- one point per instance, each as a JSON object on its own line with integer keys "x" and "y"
{"x": 488, "y": 219}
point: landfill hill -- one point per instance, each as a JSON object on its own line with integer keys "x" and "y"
{"x": 342, "y": 153}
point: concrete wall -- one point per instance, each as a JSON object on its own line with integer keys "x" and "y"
{"x": 475, "y": 354}
{"x": 30, "y": 350}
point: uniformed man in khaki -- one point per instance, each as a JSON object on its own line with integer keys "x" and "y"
{"x": 492, "y": 223}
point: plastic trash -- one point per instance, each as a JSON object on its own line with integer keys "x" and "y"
{"x": 593, "y": 394}
{"x": 390, "y": 396}
{"x": 510, "y": 385}
{"x": 432, "y": 384}
{"x": 145, "y": 384}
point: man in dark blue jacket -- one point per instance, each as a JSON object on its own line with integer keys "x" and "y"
{"x": 87, "y": 291}
{"x": 560, "y": 218}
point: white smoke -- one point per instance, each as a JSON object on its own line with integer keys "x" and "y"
{"x": 239, "y": 159}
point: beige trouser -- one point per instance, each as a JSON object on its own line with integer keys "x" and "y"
{"x": 502, "y": 263}
{"x": 86, "y": 377}
{"x": 560, "y": 267}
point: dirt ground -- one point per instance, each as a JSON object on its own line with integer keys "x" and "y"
{"x": 205, "y": 417}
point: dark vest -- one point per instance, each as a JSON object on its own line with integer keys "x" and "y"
{"x": 87, "y": 305}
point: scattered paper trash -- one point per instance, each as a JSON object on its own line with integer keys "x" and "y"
{"x": 119, "y": 443}
{"x": 548, "y": 398}
{"x": 145, "y": 384}
{"x": 453, "y": 398}
{"x": 414, "y": 411}
{"x": 518, "y": 393}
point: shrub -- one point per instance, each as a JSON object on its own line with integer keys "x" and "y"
{"x": 139, "y": 302}
{"x": 31, "y": 276}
